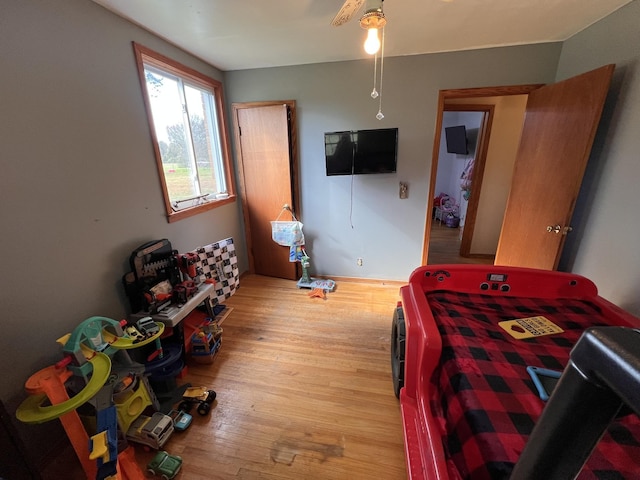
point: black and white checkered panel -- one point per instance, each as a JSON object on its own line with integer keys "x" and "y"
{"x": 219, "y": 265}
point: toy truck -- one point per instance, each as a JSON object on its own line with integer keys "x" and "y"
{"x": 147, "y": 326}
{"x": 181, "y": 420}
{"x": 200, "y": 396}
{"x": 152, "y": 431}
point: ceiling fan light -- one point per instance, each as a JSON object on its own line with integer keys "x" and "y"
{"x": 372, "y": 43}
{"x": 373, "y": 19}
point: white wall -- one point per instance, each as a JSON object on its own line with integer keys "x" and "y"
{"x": 451, "y": 165}
{"x": 606, "y": 226}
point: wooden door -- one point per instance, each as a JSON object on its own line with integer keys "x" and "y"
{"x": 559, "y": 128}
{"x": 267, "y": 177}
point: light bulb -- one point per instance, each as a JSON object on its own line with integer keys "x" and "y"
{"x": 372, "y": 43}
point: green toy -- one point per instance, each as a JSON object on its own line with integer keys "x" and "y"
{"x": 165, "y": 464}
{"x": 307, "y": 281}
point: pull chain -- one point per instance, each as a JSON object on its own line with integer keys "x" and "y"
{"x": 374, "y": 92}
{"x": 380, "y": 115}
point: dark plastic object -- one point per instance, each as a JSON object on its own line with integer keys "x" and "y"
{"x": 151, "y": 264}
{"x": 603, "y": 375}
{"x": 398, "y": 335}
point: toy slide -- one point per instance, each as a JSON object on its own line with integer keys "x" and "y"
{"x": 125, "y": 343}
{"x": 95, "y": 333}
{"x": 48, "y": 383}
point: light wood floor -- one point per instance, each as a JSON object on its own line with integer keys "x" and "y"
{"x": 444, "y": 247}
{"x": 304, "y": 388}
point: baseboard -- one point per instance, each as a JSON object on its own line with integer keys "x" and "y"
{"x": 375, "y": 281}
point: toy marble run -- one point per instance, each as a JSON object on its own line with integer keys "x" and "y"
{"x": 98, "y": 369}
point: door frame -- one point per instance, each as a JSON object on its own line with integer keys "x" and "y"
{"x": 293, "y": 165}
{"x": 460, "y": 93}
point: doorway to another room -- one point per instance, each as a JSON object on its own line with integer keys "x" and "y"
{"x": 553, "y": 147}
{"x": 475, "y": 181}
{"x": 461, "y": 155}
{"x": 478, "y": 145}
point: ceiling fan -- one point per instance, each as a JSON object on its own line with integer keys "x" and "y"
{"x": 350, "y": 8}
{"x": 372, "y": 20}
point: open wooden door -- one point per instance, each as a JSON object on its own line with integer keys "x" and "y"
{"x": 266, "y": 160}
{"x": 559, "y": 127}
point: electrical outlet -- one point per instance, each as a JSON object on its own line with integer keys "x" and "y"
{"x": 359, "y": 261}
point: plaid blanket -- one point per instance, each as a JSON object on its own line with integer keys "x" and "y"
{"x": 484, "y": 398}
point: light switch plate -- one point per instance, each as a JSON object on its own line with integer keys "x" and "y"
{"x": 404, "y": 190}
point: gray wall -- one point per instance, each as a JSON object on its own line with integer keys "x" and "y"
{"x": 344, "y": 217}
{"x": 78, "y": 183}
{"x": 604, "y": 243}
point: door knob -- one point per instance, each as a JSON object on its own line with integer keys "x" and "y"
{"x": 558, "y": 229}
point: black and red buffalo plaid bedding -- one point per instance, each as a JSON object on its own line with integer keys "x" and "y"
{"x": 484, "y": 398}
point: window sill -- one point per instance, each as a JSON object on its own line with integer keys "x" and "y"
{"x": 205, "y": 207}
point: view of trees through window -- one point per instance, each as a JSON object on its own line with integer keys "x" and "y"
{"x": 185, "y": 122}
{"x": 186, "y": 114}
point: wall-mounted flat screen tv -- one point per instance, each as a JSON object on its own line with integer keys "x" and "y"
{"x": 359, "y": 152}
{"x": 456, "y": 138}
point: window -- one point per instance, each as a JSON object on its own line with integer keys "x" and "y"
{"x": 188, "y": 128}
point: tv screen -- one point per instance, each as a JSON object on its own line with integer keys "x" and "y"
{"x": 456, "y": 139}
{"x": 361, "y": 151}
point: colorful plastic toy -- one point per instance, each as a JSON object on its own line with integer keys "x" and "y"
{"x": 181, "y": 420}
{"x": 204, "y": 346}
{"x": 200, "y": 396}
{"x": 94, "y": 358}
{"x": 147, "y": 326}
{"x": 307, "y": 281}
{"x": 164, "y": 464}
{"x": 153, "y": 431}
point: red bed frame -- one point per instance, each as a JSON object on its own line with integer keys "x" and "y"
{"x": 425, "y": 454}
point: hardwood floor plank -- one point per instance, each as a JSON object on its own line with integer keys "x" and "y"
{"x": 444, "y": 247}
{"x": 304, "y": 385}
